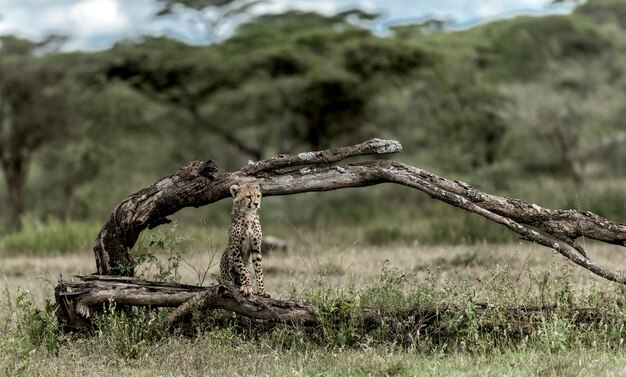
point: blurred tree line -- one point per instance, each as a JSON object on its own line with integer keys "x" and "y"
{"x": 507, "y": 106}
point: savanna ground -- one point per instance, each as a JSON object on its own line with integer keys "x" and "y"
{"x": 338, "y": 275}
{"x": 528, "y": 107}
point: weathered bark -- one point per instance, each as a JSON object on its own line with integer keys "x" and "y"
{"x": 78, "y": 300}
{"x": 198, "y": 183}
{"x": 148, "y": 208}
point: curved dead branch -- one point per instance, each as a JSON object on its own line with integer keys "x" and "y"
{"x": 199, "y": 183}
{"x": 78, "y": 299}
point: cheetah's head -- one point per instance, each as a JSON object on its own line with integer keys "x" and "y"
{"x": 246, "y": 196}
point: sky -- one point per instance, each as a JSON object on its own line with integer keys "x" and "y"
{"x": 97, "y": 24}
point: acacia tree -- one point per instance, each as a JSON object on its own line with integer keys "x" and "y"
{"x": 281, "y": 82}
{"x": 33, "y": 113}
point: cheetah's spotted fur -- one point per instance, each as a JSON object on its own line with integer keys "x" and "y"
{"x": 244, "y": 240}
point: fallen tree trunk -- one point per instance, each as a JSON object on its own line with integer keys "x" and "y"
{"x": 199, "y": 183}
{"x": 80, "y": 299}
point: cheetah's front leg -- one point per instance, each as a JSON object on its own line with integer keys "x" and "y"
{"x": 242, "y": 273}
{"x": 256, "y": 259}
{"x": 258, "y": 271}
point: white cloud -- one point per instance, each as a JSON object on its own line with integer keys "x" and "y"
{"x": 91, "y": 24}
{"x": 499, "y": 7}
{"x": 95, "y": 24}
{"x": 5, "y": 4}
{"x": 279, "y": 6}
{"x": 98, "y": 17}
{"x": 490, "y": 10}
{"x": 326, "y": 7}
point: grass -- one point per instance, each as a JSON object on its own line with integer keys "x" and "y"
{"x": 340, "y": 277}
{"x": 220, "y": 354}
{"x": 385, "y": 216}
{"x": 52, "y": 237}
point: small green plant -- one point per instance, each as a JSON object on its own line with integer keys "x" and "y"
{"x": 128, "y": 332}
{"x": 388, "y": 294}
{"x": 554, "y": 333}
{"x": 394, "y": 368}
{"x": 336, "y": 313}
{"x": 26, "y": 333}
{"x": 160, "y": 260}
{"x": 564, "y": 295}
{"x": 39, "y": 327}
{"x": 401, "y": 306}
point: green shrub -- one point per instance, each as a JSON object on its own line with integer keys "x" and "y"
{"x": 161, "y": 257}
{"x": 128, "y": 332}
{"x": 25, "y": 333}
{"x": 40, "y": 327}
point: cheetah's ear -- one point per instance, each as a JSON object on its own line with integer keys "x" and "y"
{"x": 255, "y": 186}
{"x": 234, "y": 189}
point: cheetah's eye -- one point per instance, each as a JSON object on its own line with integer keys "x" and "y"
{"x": 249, "y": 196}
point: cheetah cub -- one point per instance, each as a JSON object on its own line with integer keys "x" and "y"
{"x": 244, "y": 240}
